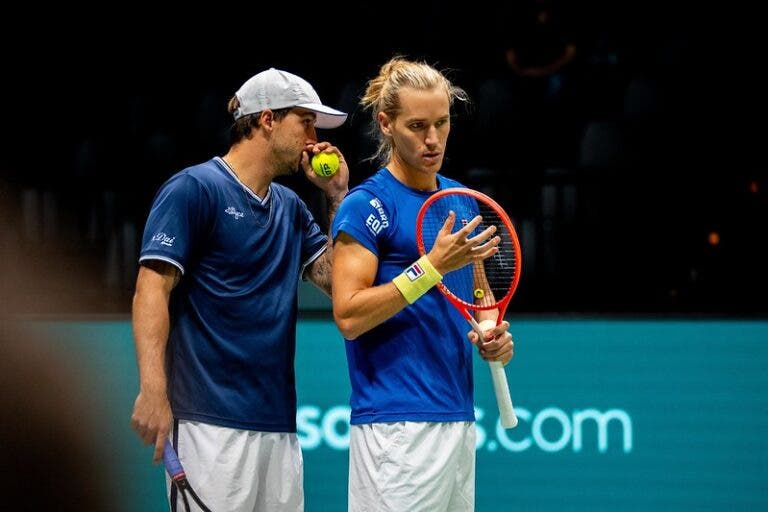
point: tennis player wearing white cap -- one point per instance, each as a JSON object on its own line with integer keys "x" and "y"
{"x": 214, "y": 313}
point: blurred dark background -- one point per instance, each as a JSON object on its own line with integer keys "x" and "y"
{"x": 626, "y": 139}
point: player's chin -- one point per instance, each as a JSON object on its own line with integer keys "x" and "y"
{"x": 295, "y": 168}
{"x": 432, "y": 163}
{"x": 297, "y": 164}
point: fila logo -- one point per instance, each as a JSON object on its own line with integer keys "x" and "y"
{"x": 414, "y": 272}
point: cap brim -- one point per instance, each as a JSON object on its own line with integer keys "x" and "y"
{"x": 327, "y": 117}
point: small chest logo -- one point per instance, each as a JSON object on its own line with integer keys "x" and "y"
{"x": 233, "y": 212}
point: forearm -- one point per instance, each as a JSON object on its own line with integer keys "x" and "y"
{"x": 487, "y": 314}
{"x": 320, "y": 271}
{"x": 365, "y": 309}
{"x": 332, "y": 202}
{"x": 151, "y": 323}
{"x": 486, "y": 298}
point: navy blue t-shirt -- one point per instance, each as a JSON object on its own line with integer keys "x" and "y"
{"x": 233, "y": 314}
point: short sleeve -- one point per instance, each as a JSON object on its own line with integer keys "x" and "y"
{"x": 363, "y": 217}
{"x": 176, "y": 221}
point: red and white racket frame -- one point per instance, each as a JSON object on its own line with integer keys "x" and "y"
{"x": 507, "y": 415}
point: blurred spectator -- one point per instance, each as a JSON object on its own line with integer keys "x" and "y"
{"x": 48, "y": 429}
{"x": 539, "y": 47}
{"x": 49, "y": 457}
{"x": 527, "y": 108}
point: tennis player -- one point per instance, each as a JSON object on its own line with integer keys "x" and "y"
{"x": 214, "y": 314}
{"x": 412, "y": 444}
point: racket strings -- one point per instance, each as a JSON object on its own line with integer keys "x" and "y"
{"x": 484, "y": 283}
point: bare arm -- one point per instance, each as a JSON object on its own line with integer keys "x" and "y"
{"x": 358, "y": 306}
{"x": 481, "y": 283}
{"x": 498, "y": 344}
{"x": 152, "y": 411}
{"x": 335, "y": 188}
{"x": 319, "y": 272}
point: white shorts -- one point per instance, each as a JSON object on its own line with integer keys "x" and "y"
{"x": 239, "y": 470}
{"x": 412, "y": 467}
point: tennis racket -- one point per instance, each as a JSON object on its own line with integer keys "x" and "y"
{"x": 176, "y": 471}
{"x": 484, "y": 285}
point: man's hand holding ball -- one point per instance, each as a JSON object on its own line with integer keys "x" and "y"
{"x": 325, "y": 164}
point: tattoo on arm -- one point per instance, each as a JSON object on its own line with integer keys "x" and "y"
{"x": 332, "y": 205}
{"x": 320, "y": 271}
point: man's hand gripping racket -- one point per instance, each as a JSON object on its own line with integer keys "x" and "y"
{"x": 485, "y": 285}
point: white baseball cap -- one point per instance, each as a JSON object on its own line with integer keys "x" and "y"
{"x": 275, "y": 89}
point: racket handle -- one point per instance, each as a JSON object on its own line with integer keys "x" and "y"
{"x": 499, "y": 377}
{"x": 171, "y": 461}
{"x": 503, "y": 398}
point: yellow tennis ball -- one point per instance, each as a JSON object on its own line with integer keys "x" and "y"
{"x": 479, "y": 293}
{"x": 325, "y": 164}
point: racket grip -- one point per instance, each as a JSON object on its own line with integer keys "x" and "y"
{"x": 171, "y": 461}
{"x": 503, "y": 398}
{"x": 498, "y": 375}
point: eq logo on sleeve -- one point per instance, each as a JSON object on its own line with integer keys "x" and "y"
{"x": 377, "y": 221}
